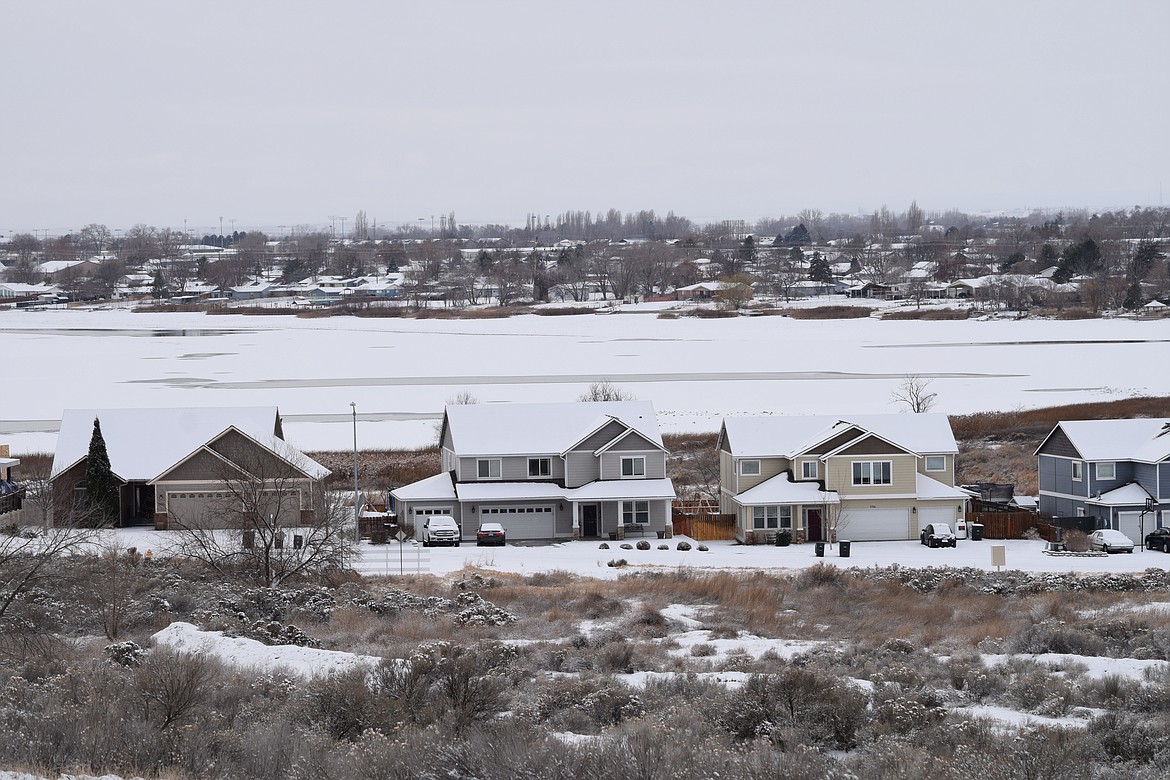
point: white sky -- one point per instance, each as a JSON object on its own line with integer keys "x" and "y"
{"x": 282, "y": 113}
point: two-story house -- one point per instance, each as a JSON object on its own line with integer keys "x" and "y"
{"x": 1117, "y": 471}
{"x": 865, "y": 477}
{"x": 548, "y": 471}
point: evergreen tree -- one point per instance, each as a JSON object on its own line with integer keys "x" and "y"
{"x": 819, "y": 269}
{"x": 101, "y": 487}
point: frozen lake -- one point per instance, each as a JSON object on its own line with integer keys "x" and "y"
{"x": 400, "y": 372}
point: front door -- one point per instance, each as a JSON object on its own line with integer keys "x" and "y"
{"x": 589, "y": 520}
{"x": 812, "y": 523}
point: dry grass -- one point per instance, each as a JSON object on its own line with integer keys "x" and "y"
{"x": 829, "y": 313}
{"x": 927, "y": 314}
{"x": 563, "y": 311}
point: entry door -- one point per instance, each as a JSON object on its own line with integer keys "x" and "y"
{"x": 812, "y": 524}
{"x": 589, "y": 520}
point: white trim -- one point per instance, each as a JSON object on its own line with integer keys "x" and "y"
{"x": 1097, "y": 471}
{"x": 499, "y": 469}
{"x": 816, "y": 469}
{"x": 1077, "y": 471}
{"x": 633, "y": 459}
{"x": 743, "y": 467}
{"x": 942, "y": 457}
{"x": 873, "y": 482}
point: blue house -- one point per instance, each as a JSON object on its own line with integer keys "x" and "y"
{"x": 1116, "y": 471}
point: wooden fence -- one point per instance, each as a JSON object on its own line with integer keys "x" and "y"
{"x": 704, "y": 527}
{"x": 1002, "y": 525}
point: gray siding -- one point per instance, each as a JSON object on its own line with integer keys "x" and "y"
{"x": 602, "y": 437}
{"x": 1146, "y": 475}
{"x": 611, "y": 464}
{"x": 1123, "y": 471}
{"x": 1056, "y": 475}
{"x": 635, "y": 442}
{"x": 1058, "y": 443}
{"x": 513, "y": 468}
{"x": 1164, "y": 479}
{"x": 580, "y": 469}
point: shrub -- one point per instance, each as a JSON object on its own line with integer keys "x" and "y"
{"x": 561, "y": 311}
{"x": 830, "y": 313}
{"x": 643, "y": 545}
{"x": 927, "y": 314}
{"x": 684, "y": 546}
{"x": 1075, "y": 540}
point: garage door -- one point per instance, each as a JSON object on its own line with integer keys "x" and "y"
{"x": 521, "y": 522}
{"x": 936, "y": 514}
{"x": 865, "y": 525}
{"x": 1130, "y": 524}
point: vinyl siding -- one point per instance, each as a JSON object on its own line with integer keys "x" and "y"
{"x": 947, "y": 476}
{"x": 581, "y": 468}
{"x": 903, "y": 471}
{"x": 1058, "y": 443}
{"x": 601, "y": 437}
{"x": 769, "y": 467}
{"x": 1056, "y": 476}
{"x": 636, "y": 442}
{"x": 203, "y": 465}
{"x": 840, "y": 440}
{"x": 611, "y": 464}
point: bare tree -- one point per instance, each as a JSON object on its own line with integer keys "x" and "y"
{"x": 914, "y": 393}
{"x": 605, "y": 391}
{"x": 259, "y": 527}
{"x": 735, "y": 292}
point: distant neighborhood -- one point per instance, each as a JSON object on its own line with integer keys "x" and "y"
{"x": 1095, "y": 262}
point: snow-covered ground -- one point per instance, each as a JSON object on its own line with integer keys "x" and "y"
{"x": 400, "y": 372}
{"x": 587, "y": 559}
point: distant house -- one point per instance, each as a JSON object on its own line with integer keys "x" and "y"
{"x": 1117, "y": 471}
{"x": 180, "y": 467}
{"x": 703, "y": 291}
{"x": 865, "y": 477}
{"x": 548, "y": 471}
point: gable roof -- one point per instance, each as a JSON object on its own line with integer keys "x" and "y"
{"x": 144, "y": 443}
{"x": 1146, "y": 439}
{"x": 789, "y": 436}
{"x": 541, "y": 429}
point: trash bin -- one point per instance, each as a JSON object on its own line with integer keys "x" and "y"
{"x": 820, "y": 549}
{"x": 977, "y": 532}
{"x": 844, "y": 548}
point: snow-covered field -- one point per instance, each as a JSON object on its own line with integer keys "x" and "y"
{"x": 400, "y": 372}
{"x": 585, "y": 558}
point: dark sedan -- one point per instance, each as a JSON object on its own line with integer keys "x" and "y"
{"x": 1159, "y": 539}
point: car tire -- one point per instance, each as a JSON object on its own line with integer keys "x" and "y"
{"x": 426, "y": 542}
{"x": 456, "y": 544}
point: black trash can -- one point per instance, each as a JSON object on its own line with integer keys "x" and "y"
{"x": 977, "y": 532}
{"x": 844, "y": 546}
{"x": 820, "y": 549}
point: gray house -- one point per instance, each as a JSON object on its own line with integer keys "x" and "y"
{"x": 548, "y": 471}
{"x": 1117, "y": 471}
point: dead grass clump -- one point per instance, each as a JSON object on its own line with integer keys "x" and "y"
{"x": 494, "y": 313}
{"x": 381, "y": 311}
{"x": 1075, "y": 540}
{"x": 1075, "y": 313}
{"x": 712, "y": 314}
{"x": 563, "y": 311}
{"x": 668, "y": 315}
{"x": 927, "y": 314}
{"x": 830, "y": 313}
{"x": 820, "y": 576}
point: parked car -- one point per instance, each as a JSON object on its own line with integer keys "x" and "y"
{"x": 937, "y": 535}
{"x": 490, "y": 533}
{"x": 440, "y": 529}
{"x": 1159, "y": 539}
{"x": 1110, "y": 541}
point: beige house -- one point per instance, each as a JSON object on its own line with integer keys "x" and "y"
{"x": 191, "y": 467}
{"x": 862, "y": 478}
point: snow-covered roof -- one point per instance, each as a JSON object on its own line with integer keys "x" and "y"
{"x": 780, "y": 489}
{"x": 440, "y": 487}
{"x": 616, "y": 489}
{"x": 508, "y": 491}
{"x": 788, "y": 436}
{"x": 144, "y": 443}
{"x": 1132, "y": 494}
{"x": 540, "y": 429}
{"x": 1146, "y": 439}
{"x": 928, "y": 488}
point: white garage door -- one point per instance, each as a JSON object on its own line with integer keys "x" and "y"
{"x": 867, "y": 525}
{"x": 1130, "y": 524}
{"x": 521, "y": 522}
{"x": 936, "y": 514}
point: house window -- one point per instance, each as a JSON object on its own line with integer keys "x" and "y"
{"x": 539, "y": 467}
{"x": 1106, "y": 470}
{"x": 808, "y": 469}
{"x": 634, "y": 466}
{"x": 488, "y": 468}
{"x": 771, "y": 517}
{"x": 876, "y": 472}
{"x": 936, "y": 463}
{"x": 1077, "y": 470}
{"x": 749, "y": 468}
{"x": 635, "y": 512}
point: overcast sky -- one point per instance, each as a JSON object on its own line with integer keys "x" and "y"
{"x": 288, "y": 113}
